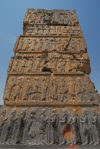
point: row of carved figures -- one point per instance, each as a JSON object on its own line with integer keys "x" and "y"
{"x": 53, "y": 65}
{"x": 51, "y": 30}
{"x": 51, "y": 16}
{"x": 30, "y": 88}
{"x": 50, "y": 44}
{"x": 41, "y": 128}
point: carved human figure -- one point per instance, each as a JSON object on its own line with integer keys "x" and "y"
{"x": 44, "y": 89}
{"x": 94, "y": 121}
{"x": 33, "y": 44}
{"x": 85, "y": 128}
{"x": 20, "y": 127}
{"x": 89, "y": 85}
{"x": 63, "y": 89}
{"x": 74, "y": 122}
{"x": 8, "y": 88}
{"x": 3, "y": 127}
{"x": 40, "y": 44}
{"x": 54, "y": 124}
{"x": 63, "y": 122}
{"x": 79, "y": 88}
{"x": 46, "y": 30}
{"x": 52, "y": 44}
{"x": 2, "y": 122}
{"x": 15, "y": 65}
{"x": 36, "y": 90}
{"x": 61, "y": 65}
{"x": 42, "y": 128}
{"x": 22, "y": 65}
{"x": 59, "y": 44}
{"x": 29, "y": 65}
{"x": 53, "y": 89}
{"x": 37, "y": 65}
{"x": 72, "y": 45}
{"x": 16, "y": 90}
{"x": 69, "y": 63}
{"x": 28, "y": 44}
{"x": 71, "y": 85}
{"x": 52, "y": 30}
{"x": 59, "y": 30}
{"x": 20, "y": 45}
{"x": 11, "y": 126}
{"x": 27, "y": 89}
{"x": 10, "y": 64}
{"x": 46, "y": 45}
{"x": 30, "y": 128}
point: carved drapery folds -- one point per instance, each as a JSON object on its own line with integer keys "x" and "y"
{"x": 39, "y": 126}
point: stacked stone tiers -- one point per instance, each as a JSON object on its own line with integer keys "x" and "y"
{"x": 50, "y": 63}
{"x": 48, "y": 84}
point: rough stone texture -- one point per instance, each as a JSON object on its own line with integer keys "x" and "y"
{"x": 48, "y": 84}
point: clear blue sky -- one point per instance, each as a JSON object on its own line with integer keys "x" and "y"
{"x": 11, "y": 26}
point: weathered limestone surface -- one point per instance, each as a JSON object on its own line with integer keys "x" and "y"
{"x": 48, "y": 84}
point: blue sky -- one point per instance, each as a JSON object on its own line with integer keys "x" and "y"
{"x": 11, "y": 26}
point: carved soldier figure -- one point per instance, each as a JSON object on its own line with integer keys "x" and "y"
{"x": 27, "y": 89}
{"x": 61, "y": 65}
{"x": 22, "y": 65}
{"x": 20, "y": 127}
{"x": 28, "y": 44}
{"x": 59, "y": 30}
{"x": 52, "y": 44}
{"x": 46, "y": 45}
{"x": 52, "y": 30}
{"x": 71, "y": 85}
{"x": 36, "y": 89}
{"x": 3, "y": 127}
{"x": 85, "y": 127}
{"x": 15, "y": 65}
{"x": 10, "y": 64}
{"x": 54, "y": 124}
{"x": 90, "y": 89}
{"x": 79, "y": 89}
{"x": 11, "y": 125}
{"x": 2, "y": 121}
{"x": 29, "y": 65}
{"x": 53, "y": 89}
{"x": 59, "y": 44}
{"x": 8, "y": 88}
{"x": 33, "y": 44}
{"x": 44, "y": 89}
{"x": 63, "y": 122}
{"x": 94, "y": 121}
{"x": 30, "y": 128}
{"x": 42, "y": 128}
{"x": 74, "y": 121}
{"x": 20, "y": 45}
{"x": 37, "y": 65}
{"x": 63, "y": 89}
{"x": 16, "y": 90}
{"x": 40, "y": 44}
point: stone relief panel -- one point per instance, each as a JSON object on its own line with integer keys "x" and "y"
{"x": 68, "y": 17}
{"x": 46, "y": 88}
{"x": 31, "y": 29}
{"x": 39, "y": 126}
{"x": 41, "y": 44}
{"x": 48, "y": 62}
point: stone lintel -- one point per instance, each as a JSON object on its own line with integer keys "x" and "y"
{"x": 38, "y": 52}
{"x": 52, "y": 104}
{"x": 33, "y": 73}
{"x": 70, "y": 73}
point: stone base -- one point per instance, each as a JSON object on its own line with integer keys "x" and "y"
{"x": 48, "y": 147}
